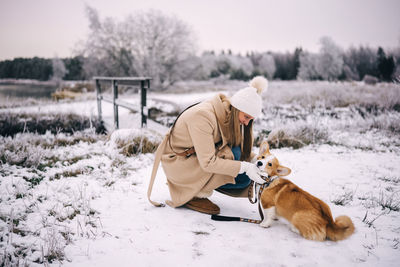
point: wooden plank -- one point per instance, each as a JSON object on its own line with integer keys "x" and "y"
{"x": 121, "y": 103}
{"x": 108, "y": 99}
{"x": 139, "y": 79}
{"x": 127, "y": 105}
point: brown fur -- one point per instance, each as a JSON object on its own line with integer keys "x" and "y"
{"x": 310, "y": 216}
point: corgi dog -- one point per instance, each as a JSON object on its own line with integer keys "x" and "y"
{"x": 308, "y": 215}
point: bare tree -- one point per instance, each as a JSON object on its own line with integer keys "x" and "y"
{"x": 208, "y": 64}
{"x": 241, "y": 62}
{"x": 267, "y": 65}
{"x": 308, "y": 66}
{"x": 106, "y": 47}
{"x": 327, "y": 65}
{"x": 360, "y": 61}
{"x": 144, "y": 44}
{"x": 59, "y": 70}
{"x": 330, "y": 61}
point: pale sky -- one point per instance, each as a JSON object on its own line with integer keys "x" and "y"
{"x": 48, "y": 28}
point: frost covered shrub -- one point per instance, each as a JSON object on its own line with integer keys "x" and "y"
{"x": 134, "y": 141}
{"x": 388, "y": 122}
{"x": 20, "y": 154}
{"x": 139, "y": 145}
{"x": 333, "y": 113}
{"x": 33, "y": 150}
{"x": 390, "y": 202}
{"x": 80, "y": 87}
{"x": 384, "y": 96}
{"x": 13, "y": 123}
{"x": 296, "y": 136}
{"x": 368, "y": 79}
{"x": 344, "y": 198}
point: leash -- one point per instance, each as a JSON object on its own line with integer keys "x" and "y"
{"x": 189, "y": 151}
{"x": 257, "y": 196}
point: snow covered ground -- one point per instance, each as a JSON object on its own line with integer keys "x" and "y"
{"x": 87, "y": 206}
{"x": 142, "y": 235}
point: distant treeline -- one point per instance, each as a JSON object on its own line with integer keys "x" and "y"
{"x": 357, "y": 63}
{"x": 41, "y": 69}
{"x": 166, "y": 52}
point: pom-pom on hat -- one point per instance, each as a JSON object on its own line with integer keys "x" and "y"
{"x": 249, "y": 99}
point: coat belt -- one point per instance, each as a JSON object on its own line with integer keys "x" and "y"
{"x": 187, "y": 153}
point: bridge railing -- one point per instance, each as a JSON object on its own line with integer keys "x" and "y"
{"x": 142, "y": 82}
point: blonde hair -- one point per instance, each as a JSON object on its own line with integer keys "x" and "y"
{"x": 234, "y": 134}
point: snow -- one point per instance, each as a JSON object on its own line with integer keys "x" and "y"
{"x": 132, "y": 231}
{"x": 143, "y": 235}
{"x": 101, "y": 216}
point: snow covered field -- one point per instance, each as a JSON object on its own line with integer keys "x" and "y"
{"x": 83, "y": 203}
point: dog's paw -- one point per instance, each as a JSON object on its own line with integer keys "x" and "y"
{"x": 294, "y": 229}
{"x": 265, "y": 224}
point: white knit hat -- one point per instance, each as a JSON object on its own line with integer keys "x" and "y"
{"x": 249, "y": 99}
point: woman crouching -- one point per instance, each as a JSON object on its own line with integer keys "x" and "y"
{"x": 209, "y": 148}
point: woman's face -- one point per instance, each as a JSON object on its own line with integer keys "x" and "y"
{"x": 244, "y": 118}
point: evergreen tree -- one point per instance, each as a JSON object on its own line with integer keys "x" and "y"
{"x": 296, "y": 63}
{"x": 239, "y": 74}
{"x": 26, "y": 68}
{"x": 385, "y": 66}
{"x": 360, "y": 62}
{"x": 75, "y": 68}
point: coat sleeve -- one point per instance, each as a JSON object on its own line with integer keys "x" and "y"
{"x": 201, "y": 132}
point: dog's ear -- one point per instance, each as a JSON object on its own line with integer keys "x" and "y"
{"x": 283, "y": 171}
{"x": 264, "y": 148}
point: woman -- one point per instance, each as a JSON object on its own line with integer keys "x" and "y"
{"x": 209, "y": 146}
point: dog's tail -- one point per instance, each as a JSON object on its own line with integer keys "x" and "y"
{"x": 340, "y": 229}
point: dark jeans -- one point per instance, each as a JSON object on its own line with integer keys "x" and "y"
{"x": 242, "y": 180}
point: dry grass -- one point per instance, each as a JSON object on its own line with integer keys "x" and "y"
{"x": 35, "y": 151}
{"x": 12, "y": 123}
{"x": 133, "y": 142}
{"x": 139, "y": 145}
{"x": 296, "y": 137}
{"x": 382, "y": 96}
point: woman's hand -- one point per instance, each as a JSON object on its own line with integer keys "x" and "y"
{"x": 252, "y": 171}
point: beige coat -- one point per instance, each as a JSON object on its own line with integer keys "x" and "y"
{"x": 213, "y": 165}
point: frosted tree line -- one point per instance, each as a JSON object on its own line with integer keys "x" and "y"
{"x": 163, "y": 47}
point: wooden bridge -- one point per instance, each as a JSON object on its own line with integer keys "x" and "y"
{"x": 142, "y": 82}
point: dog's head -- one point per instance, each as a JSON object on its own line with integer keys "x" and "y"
{"x": 268, "y": 163}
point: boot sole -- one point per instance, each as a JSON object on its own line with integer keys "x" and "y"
{"x": 206, "y": 211}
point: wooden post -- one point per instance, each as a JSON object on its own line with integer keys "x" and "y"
{"x": 115, "y": 96}
{"x": 98, "y": 97}
{"x": 143, "y": 104}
